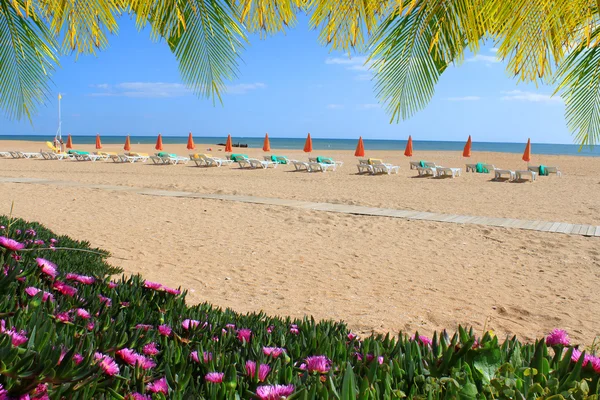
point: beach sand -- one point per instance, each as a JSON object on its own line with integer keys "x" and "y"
{"x": 377, "y": 274}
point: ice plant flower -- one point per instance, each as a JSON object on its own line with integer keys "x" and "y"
{"x": 190, "y": 323}
{"x": 164, "y": 330}
{"x": 273, "y": 351}
{"x": 108, "y": 365}
{"x": 11, "y": 244}
{"x": 77, "y": 358}
{"x": 424, "y": 340}
{"x": 82, "y": 313}
{"x": 244, "y": 335}
{"x": 63, "y": 317}
{"x": 64, "y": 288}
{"x": 48, "y": 268}
{"x": 86, "y": 280}
{"x": 352, "y": 336}
{"x": 17, "y": 338}
{"x": 106, "y": 300}
{"x": 294, "y": 329}
{"x": 150, "y": 349}
{"x": 320, "y": 364}
{"x": 145, "y": 327}
{"x": 274, "y": 392}
{"x": 112, "y": 285}
{"x": 32, "y": 291}
{"x": 152, "y": 285}
{"x": 206, "y": 356}
{"x": 214, "y": 377}
{"x": 172, "y": 291}
{"x": 138, "y": 396}
{"x": 270, "y": 329}
{"x": 158, "y": 386}
{"x": 133, "y": 358}
{"x": 558, "y": 337}
{"x": 263, "y": 370}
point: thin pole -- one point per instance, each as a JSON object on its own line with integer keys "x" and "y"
{"x": 59, "y": 131}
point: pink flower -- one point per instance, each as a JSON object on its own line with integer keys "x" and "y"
{"x": 65, "y": 289}
{"x": 244, "y": 335}
{"x": 138, "y": 396}
{"x": 77, "y": 358}
{"x": 150, "y": 349}
{"x": 86, "y": 280}
{"x": 17, "y": 338}
{"x": 424, "y": 340}
{"x": 145, "y": 327}
{"x": 133, "y": 358}
{"x": 152, "y": 285}
{"x": 108, "y": 365}
{"x": 214, "y": 377}
{"x": 32, "y": 291}
{"x": 105, "y": 300}
{"x": 172, "y": 291}
{"x": 263, "y": 370}
{"x": 380, "y": 360}
{"x": 3, "y": 392}
{"x": 165, "y": 330}
{"x": 90, "y": 326}
{"x": 294, "y": 329}
{"x": 11, "y": 244}
{"x": 270, "y": 329}
{"x": 82, "y": 313}
{"x": 158, "y": 386}
{"x": 230, "y": 326}
{"x": 558, "y": 337}
{"x": 352, "y": 336}
{"x": 576, "y": 355}
{"x": 274, "y": 392}
{"x": 206, "y": 356}
{"x": 190, "y": 323}
{"x": 112, "y": 285}
{"x": 273, "y": 351}
{"x": 320, "y": 364}
{"x": 47, "y": 267}
{"x": 63, "y": 317}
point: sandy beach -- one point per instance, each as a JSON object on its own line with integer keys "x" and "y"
{"x": 376, "y": 273}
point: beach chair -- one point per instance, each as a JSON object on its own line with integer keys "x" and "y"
{"x": 16, "y": 154}
{"x": 118, "y": 158}
{"x": 499, "y": 172}
{"x": 364, "y": 166}
{"x": 549, "y": 170}
{"x": 414, "y": 164}
{"x": 444, "y": 171}
{"x": 133, "y": 157}
{"x": 254, "y": 163}
{"x": 520, "y": 174}
{"x": 321, "y": 167}
{"x": 427, "y": 168}
{"x": 325, "y": 160}
{"x": 300, "y": 165}
{"x": 470, "y": 167}
{"x": 168, "y": 158}
{"x": 106, "y": 155}
{"x": 379, "y": 167}
{"x": 206, "y": 160}
{"x": 278, "y": 159}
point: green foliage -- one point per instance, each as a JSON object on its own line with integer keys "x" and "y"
{"x": 61, "y": 349}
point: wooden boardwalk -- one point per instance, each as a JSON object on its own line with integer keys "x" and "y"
{"x": 510, "y": 223}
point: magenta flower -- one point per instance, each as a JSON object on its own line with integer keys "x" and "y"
{"x": 152, "y": 285}
{"x": 576, "y": 355}
{"x": 172, "y": 291}
{"x": 595, "y": 361}
{"x": 108, "y": 365}
{"x": 230, "y": 326}
{"x": 270, "y": 329}
{"x": 86, "y": 280}
{"x": 145, "y": 327}
{"x": 320, "y": 364}
{"x": 274, "y": 392}
{"x": 32, "y": 291}
{"x": 558, "y": 337}
{"x": 82, "y": 313}
{"x": 273, "y": 351}
{"x": 30, "y": 232}
{"x": 352, "y": 336}
{"x": 133, "y": 358}
{"x": 190, "y": 323}
{"x": 112, "y": 285}
{"x": 158, "y": 386}
{"x": 47, "y": 267}
{"x": 90, "y": 326}
{"x": 11, "y": 244}
{"x": 380, "y": 360}
{"x": 294, "y": 329}
{"x": 150, "y": 349}
{"x": 65, "y": 289}
{"x": 424, "y": 340}
{"x": 138, "y": 396}
{"x": 214, "y": 377}
{"x": 105, "y": 300}
{"x": 165, "y": 330}
{"x": 77, "y": 358}
{"x": 263, "y": 370}
{"x": 206, "y": 356}
{"x": 63, "y": 317}
{"x": 17, "y": 338}
{"x": 244, "y": 335}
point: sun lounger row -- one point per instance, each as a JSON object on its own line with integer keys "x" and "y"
{"x": 376, "y": 166}
{"x": 426, "y": 168}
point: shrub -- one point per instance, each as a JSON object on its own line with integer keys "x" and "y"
{"x": 72, "y": 336}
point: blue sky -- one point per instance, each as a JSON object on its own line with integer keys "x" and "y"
{"x": 288, "y": 85}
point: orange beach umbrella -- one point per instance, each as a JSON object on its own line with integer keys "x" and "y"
{"x": 408, "y": 152}
{"x": 228, "y": 145}
{"x": 467, "y": 150}
{"x": 69, "y": 142}
{"x": 159, "y": 146}
{"x": 127, "y": 146}
{"x": 98, "y": 142}
{"x": 191, "y": 145}
{"x": 267, "y": 143}
{"x": 527, "y": 153}
{"x": 308, "y": 145}
{"x": 360, "y": 148}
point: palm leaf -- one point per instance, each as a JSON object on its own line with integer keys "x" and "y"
{"x": 268, "y": 16}
{"x": 27, "y": 56}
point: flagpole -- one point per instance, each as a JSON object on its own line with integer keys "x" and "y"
{"x": 59, "y": 131}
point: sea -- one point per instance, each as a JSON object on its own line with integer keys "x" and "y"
{"x": 334, "y": 144}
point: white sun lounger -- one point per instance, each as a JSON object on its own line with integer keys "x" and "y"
{"x": 520, "y": 174}
{"x": 254, "y": 163}
{"x": 203, "y": 160}
{"x": 499, "y": 172}
{"x": 300, "y": 165}
{"x": 379, "y": 167}
{"x": 4, "y": 154}
{"x": 364, "y": 166}
{"x": 470, "y": 167}
{"x": 414, "y": 164}
{"x": 320, "y": 167}
{"x": 550, "y": 170}
{"x": 443, "y": 171}
{"x": 314, "y": 160}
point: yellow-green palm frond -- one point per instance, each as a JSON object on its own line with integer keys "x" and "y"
{"x": 82, "y": 24}
{"x": 268, "y": 16}
{"x": 27, "y": 56}
{"x": 348, "y": 24}
{"x": 579, "y": 86}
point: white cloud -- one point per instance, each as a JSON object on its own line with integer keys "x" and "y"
{"x": 346, "y": 61}
{"x": 482, "y": 58}
{"x": 494, "y": 50}
{"x": 369, "y": 106}
{"x": 162, "y": 89}
{"x": 519, "y": 95}
{"x": 464, "y": 98}
{"x": 363, "y": 77}
{"x": 335, "y": 106}
{"x": 358, "y": 64}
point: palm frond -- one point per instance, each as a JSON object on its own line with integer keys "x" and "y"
{"x": 27, "y": 57}
{"x": 268, "y": 16}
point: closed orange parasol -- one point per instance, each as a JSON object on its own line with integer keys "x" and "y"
{"x": 408, "y": 152}
{"x": 69, "y": 142}
{"x": 98, "y": 142}
{"x": 159, "y": 143}
{"x": 228, "y": 145}
{"x": 467, "y": 150}
{"x": 360, "y": 148}
{"x": 267, "y": 143}
{"x": 127, "y": 146}
{"x": 527, "y": 154}
{"x": 191, "y": 145}
{"x": 308, "y": 145}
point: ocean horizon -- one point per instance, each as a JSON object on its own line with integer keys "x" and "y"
{"x": 332, "y": 144}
